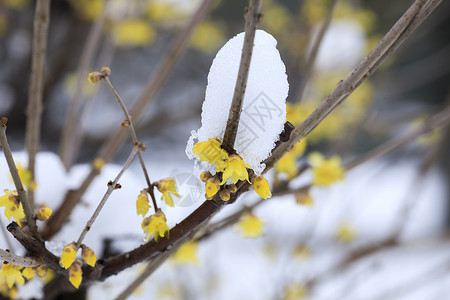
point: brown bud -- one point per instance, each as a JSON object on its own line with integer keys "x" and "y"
{"x": 224, "y": 195}
{"x": 231, "y": 188}
{"x": 205, "y": 176}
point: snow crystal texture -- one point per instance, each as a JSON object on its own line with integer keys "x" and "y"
{"x": 264, "y": 108}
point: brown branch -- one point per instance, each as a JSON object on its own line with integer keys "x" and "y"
{"x": 112, "y": 185}
{"x": 69, "y": 143}
{"x": 116, "y": 139}
{"x": 412, "y": 18}
{"x": 252, "y": 19}
{"x": 135, "y": 141}
{"x": 15, "y": 176}
{"x": 36, "y": 91}
{"x": 311, "y": 59}
{"x": 18, "y": 260}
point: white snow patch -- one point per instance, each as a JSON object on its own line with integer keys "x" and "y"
{"x": 264, "y": 107}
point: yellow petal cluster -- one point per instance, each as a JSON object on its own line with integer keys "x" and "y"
{"x": 250, "y": 226}
{"x": 261, "y": 186}
{"x": 43, "y": 213}
{"x": 26, "y": 177}
{"x": 207, "y": 36}
{"x": 97, "y": 163}
{"x": 346, "y": 232}
{"x": 133, "y": 32}
{"x": 210, "y": 151}
{"x": 288, "y": 163}
{"x": 88, "y": 255}
{"x": 235, "y": 170}
{"x": 11, "y": 274}
{"x": 187, "y": 253}
{"x": 75, "y": 274}
{"x": 155, "y": 225}
{"x": 212, "y": 186}
{"x": 295, "y": 292}
{"x": 28, "y": 273}
{"x": 13, "y": 207}
{"x": 68, "y": 255}
{"x": 142, "y": 203}
{"x": 325, "y": 171}
{"x": 168, "y": 188}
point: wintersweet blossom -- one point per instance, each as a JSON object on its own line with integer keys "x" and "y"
{"x": 26, "y": 177}
{"x": 304, "y": 198}
{"x": 167, "y": 187}
{"x": 75, "y": 273}
{"x": 28, "y": 273}
{"x": 236, "y": 170}
{"x": 88, "y": 255}
{"x": 326, "y": 171}
{"x": 12, "y": 274}
{"x": 99, "y": 162}
{"x": 224, "y": 195}
{"x": 13, "y": 207}
{"x": 302, "y": 252}
{"x": 288, "y": 163}
{"x": 250, "y": 226}
{"x": 187, "y": 253}
{"x": 68, "y": 255}
{"x": 212, "y": 186}
{"x": 133, "y": 33}
{"x": 261, "y": 186}
{"x": 42, "y": 271}
{"x": 295, "y": 292}
{"x": 155, "y": 225}
{"x": 346, "y": 232}
{"x": 43, "y": 213}
{"x": 142, "y": 203}
{"x": 211, "y": 152}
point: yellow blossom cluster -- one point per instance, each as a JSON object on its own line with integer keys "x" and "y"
{"x": 26, "y": 177}
{"x": 168, "y": 188}
{"x": 232, "y": 168}
{"x": 43, "y": 214}
{"x": 12, "y": 275}
{"x": 187, "y": 253}
{"x": 250, "y": 226}
{"x": 325, "y": 171}
{"x": 155, "y": 225}
{"x": 69, "y": 261}
{"x": 13, "y": 207}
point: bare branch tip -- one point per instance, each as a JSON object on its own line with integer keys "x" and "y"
{"x": 3, "y": 121}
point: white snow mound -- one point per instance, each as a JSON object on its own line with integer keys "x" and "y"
{"x": 264, "y": 107}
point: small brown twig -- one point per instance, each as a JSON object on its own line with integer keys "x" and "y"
{"x": 69, "y": 143}
{"x": 15, "y": 176}
{"x": 311, "y": 58}
{"x": 135, "y": 140}
{"x": 36, "y": 91}
{"x": 111, "y": 187}
{"x": 252, "y": 19}
{"x": 396, "y": 35}
{"x": 17, "y": 260}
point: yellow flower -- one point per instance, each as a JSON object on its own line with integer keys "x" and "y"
{"x": 88, "y": 255}
{"x": 346, "y": 232}
{"x": 28, "y": 273}
{"x": 97, "y": 163}
{"x": 133, "y": 33}
{"x": 288, "y": 163}
{"x": 304, "y": 198}
{"x": 142, "y": 204}
{"x": 295, "y": 292}
{"x": 167, "y": 187}
{"x": 212, "y": 186}
{"x": 235, "y": 170}
{"x": 187, "y": 253}
{"x": 43, "y": 214}
{"x": 68, "y": 256}
{"x": 155, "y": 225}
{"x": 207, "y": 36}
{"x": 211, "y": 152}
{"x": 13, "y": 207}
{"x": 42, "y": 271}
{"x": 75, "y": 274}
{"x": 26, "y": 177}
{"x": 261, "y": 186}
{"x": 326, "y": 171}
{"x": 302, "y": 252}
{"x": 88, "y": 9}
{"x": 12, "y": 274}
{"x": 250, "y": 226}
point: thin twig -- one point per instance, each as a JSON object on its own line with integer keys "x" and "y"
{"x": 111, "y": 187}
{"x": 135, "y": 140}
{"x": 116, "y": 139}
{"x": 396, "y": 35}
{"x": 252, "y": 19}
{"x": 17, "y": 182}
{"x": 36, "y": 91}
{"x": 69, "y": 143}
{"x": 311, "y": 58}
{"x": 17, "y": 260}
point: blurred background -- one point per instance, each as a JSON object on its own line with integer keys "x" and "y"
{"x": 133, "y": 37}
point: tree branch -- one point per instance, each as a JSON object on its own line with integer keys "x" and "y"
{"x": 18, "y": 260}
{"x": 252, "y": 18}
{"x": 36, "y": 91}
{"x": 15, "y": 176}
